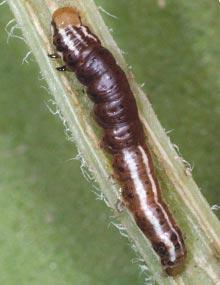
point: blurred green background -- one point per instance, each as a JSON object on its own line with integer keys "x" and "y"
{"x": 53, "y": 230}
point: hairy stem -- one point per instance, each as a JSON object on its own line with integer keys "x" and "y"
{"x": 199, "y": 225}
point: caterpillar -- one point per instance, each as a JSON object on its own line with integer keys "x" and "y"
{"x": 115, "y": 110}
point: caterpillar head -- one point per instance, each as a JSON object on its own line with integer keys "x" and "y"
{"x": 66, "y": 16}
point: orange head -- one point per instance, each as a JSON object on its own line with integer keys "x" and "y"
{"x": 66, "y": 16}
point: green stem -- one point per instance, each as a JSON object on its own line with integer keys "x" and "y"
{"x": 200, "y": 226}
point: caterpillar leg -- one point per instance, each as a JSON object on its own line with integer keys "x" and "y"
{"x": 53, "y": 55}
{"x": 61, "y": 68}
{"x": 120, "y": 205}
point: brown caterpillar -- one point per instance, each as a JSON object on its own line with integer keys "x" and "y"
{"x": 115, "y": 110}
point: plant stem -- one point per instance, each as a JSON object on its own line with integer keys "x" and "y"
{"x": 199, "y": 225}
